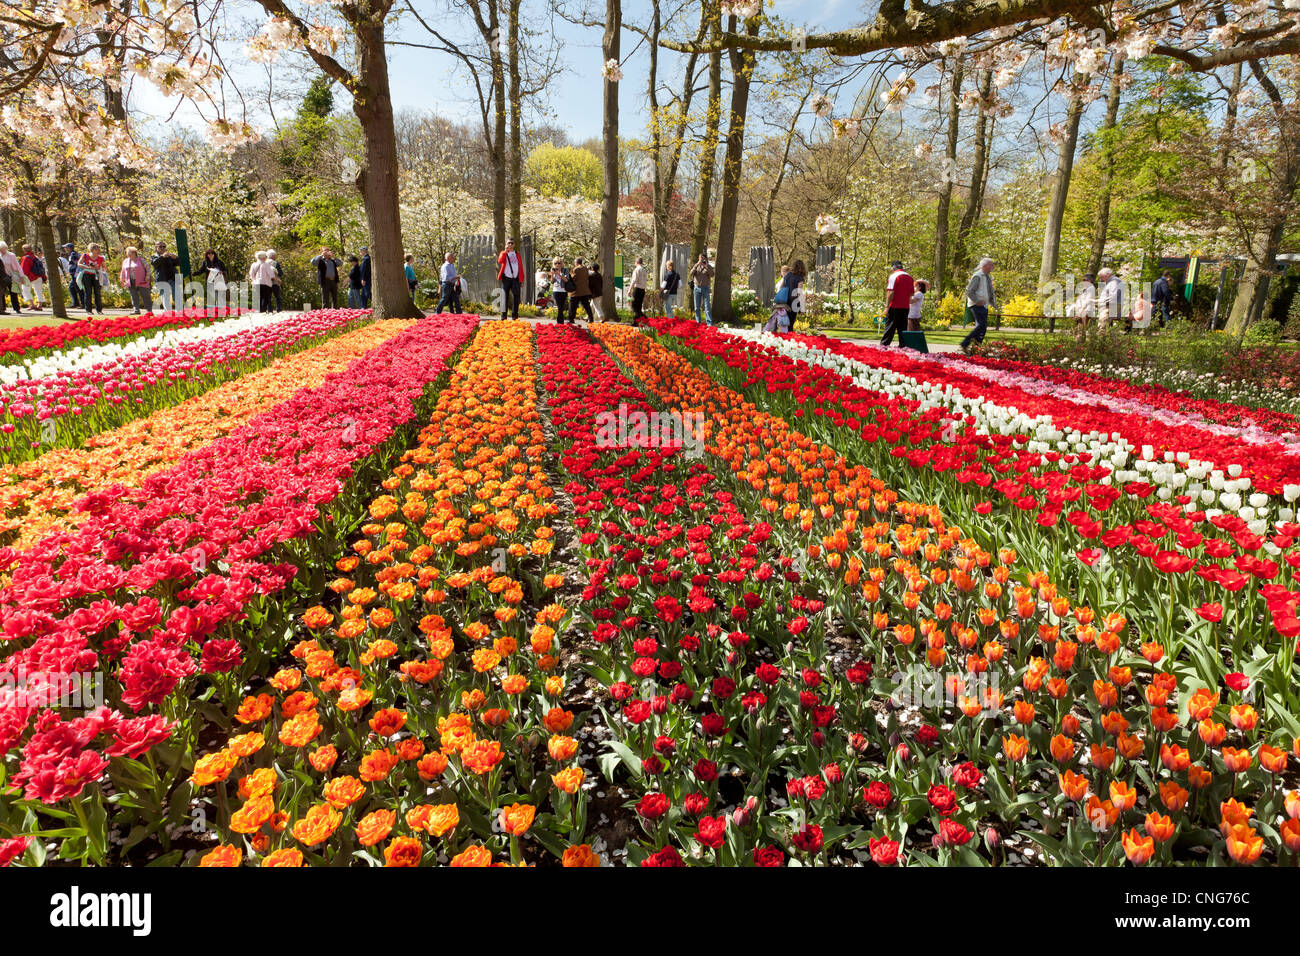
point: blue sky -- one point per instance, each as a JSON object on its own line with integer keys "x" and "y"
{"x": 427, "y": 80}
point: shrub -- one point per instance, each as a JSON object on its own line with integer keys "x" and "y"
{"x": 950, "y": 310}
{"x": 745, "y": 302}
{"x": 1263, "y": 332}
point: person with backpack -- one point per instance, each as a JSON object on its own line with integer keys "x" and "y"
{"x": 412, "y": 283}
{"x": 34, "y": 273}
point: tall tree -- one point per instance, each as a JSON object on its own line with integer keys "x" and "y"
{"x": 1106, "y": 137}
{"x": 516, "y": 122}
{"x": 609, "y": 203}
{"x": 742, "y": 73}
{"x": 943, "y": 214}
{"x": 1068, "y": 142}
{"x": 372, "y": 103}
{"x": 961, "y": 254}
{"x": 709, "y": 143}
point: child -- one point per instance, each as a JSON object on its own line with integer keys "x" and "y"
{"x": 915, "y": 304}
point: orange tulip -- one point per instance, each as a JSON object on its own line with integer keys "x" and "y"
{"x": 1137, "y": 848}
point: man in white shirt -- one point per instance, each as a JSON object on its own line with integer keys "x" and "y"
{"x": 510, "y": 271}
{"x": 639, "y": 278}
{"x": 449, "y": 279}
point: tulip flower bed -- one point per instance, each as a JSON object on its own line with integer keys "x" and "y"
{"x": 168, "y": 590}
{"x": 656, "y": 598}
{"x": 72, "y": 395}
{"x": 43, "y": 339}
{"x": 39, "y": 496}
{"x": 1153, "y": 537}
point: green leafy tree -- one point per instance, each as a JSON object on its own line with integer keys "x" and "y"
{"x": 563, "y": 171}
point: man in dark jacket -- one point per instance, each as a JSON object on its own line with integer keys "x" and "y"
{"x": 366, "y": 285}
{"x": 327, "y": 277}
{"x": 165, "y": 269}
{"x": 1162, "y": 298}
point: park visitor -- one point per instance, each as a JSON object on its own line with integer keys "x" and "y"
{"x": 979, "y": 299}
{"x": 1162, "y": 298}
{"x": 134, "y": 277}
{"x": 277, "y": 287}
{"x": 327, "y": 277}
{"x": 215, "y": 277}
{"x": 672, "y": 281}
{"x": 581, "y": 294}
{"x": 898, "y": 298}
{"x": 596, "y": 283}
{"x": 34, "y": 276}
{"x": 261, "y": 275}
{"x": 560, "y": 281}
{"x": 68, "y": 267}
{"x": 701, "y": 279}
{"x": 166, "y": 267}
{"x": 354, "y": 283}
{"x": 8, "y": 280}
{"x": 1110, "y": 299}
{"x": 412, "y": 283}
{"x": 366, "y": 285}
{"x": 915, "y": 304}
{"x": 639, "y": 277}
{"x": 510, "y": 271}
{"x": 449, "y": 285}
{"x": 1084, "y": 305}
{"x": 91, "y": 272}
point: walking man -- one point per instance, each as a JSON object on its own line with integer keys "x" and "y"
{"x": 898, "y": 299}
{"x": 510, "y": 271}
{"x": 979, "y": 299}
{"x": 449, "y": 283}
{"x": 639, "y": 278}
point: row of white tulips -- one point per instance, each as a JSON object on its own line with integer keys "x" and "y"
{"x": 1216, "y": 491}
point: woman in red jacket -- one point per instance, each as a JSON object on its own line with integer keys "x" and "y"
{"x": 34, "y": 271}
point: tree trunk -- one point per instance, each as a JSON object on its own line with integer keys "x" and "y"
{"x": 1061, "y": 186}
{"x": 53, "y": 277}
{"x": 709, "y": 156}
{"x": 516, "y": 107}
{"x": 609, "y": 198}
{"x": 975, "y": 203}
{"x": 742, "y": 70}
{"x": 949, "y": 178}
{"x": 1108, "y": 148}
{"x": 391, "y": 299}
{"x": 497, "y": 147}
{"x": 658, "y": 204}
